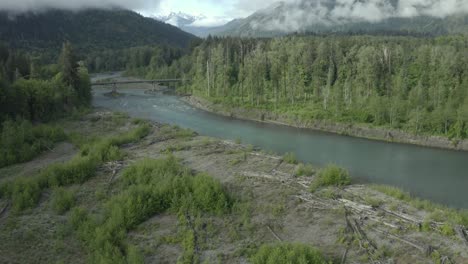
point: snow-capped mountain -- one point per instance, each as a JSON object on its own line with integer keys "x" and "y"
{"x": 198, "y": 25}
{"x": 180, "y": 19}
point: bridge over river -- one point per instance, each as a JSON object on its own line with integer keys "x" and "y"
{"x": 153, "y": 82}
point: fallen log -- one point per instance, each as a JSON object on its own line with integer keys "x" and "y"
{"x": 462, "y": 234}
{"x": 420, "y": 248}
{"x": 402, "y": 216}
{"x": 274, "y": 234}
{"x": 5, "y": 208}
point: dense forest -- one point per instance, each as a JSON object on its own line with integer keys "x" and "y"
{"x": 415, "y": 84}
{"x": 97, "y": 33}
{"x": 31, "y": 93}
{"x": 130, "y": 59}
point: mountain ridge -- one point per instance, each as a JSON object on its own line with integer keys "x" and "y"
{"x": 88, "y": 29}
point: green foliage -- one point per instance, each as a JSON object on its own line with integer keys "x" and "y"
{"x": 332, "y": 175}
{"x": 20, "y": 141}
{"x": 62, "y": 200}
{"x": 287, "y": 253}
{"x": 290, "y": 158}
{"x": 149, "y": 187}
{"x": 304, "y": 170}
{"x": 78, "y": 170}
{"x": 404, "y": 83}
{"x": 447, "y": 230}
{"x": 99, "y": 35}
{"x": 176, "y": 132}
{"x": 25, "y": 193}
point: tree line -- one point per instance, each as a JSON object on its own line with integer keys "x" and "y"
{"x": 31, "y": 93}
{"x": 411, "y": 83}
{"x": 37, "y": 92}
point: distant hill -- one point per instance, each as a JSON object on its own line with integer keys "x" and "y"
{"x": 88, "y": 30}
{"x": 309, "y": 17}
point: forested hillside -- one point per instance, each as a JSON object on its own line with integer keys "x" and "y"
{"x": 415, "y": 84}
{"x": 91, "y": 31}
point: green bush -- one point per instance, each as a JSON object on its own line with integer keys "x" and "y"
{"x": 287, "y": 253}
{"x": 304, "y": 170}
{"x": 78, "y": 170}
{"x": 20, "y": 141}
{"x": 62, "y": 200}
{"x": 447, "y": 230}
{"x": 148, "y": 187}
{"x": 290, "y": 158}
{"x": 25, "y": 193}
{"x": 332, "y": 175}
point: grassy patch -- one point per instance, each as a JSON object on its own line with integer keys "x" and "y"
{"x": 287, "y": 253}
{"x": 150, "y": 187}
{"x": 25, "y": 192}
{"x": 304, "y": 170}
{"x": 62, "y": 200}
{"x": 176, "y": 132}
{"x": 20, "y": 141}
{"x": 290, "y": 158}
{"x": 332, "y": 175}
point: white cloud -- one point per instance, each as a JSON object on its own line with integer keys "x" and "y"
{"x": 37, "y": 5}
{"x": 210, "y": 22}
{"x": 300, "y": 14}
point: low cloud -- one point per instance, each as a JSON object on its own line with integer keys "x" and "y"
{"x": 296, "y": 15}
{"x": 210, "y": 22}
{"x": 19, "y": 6}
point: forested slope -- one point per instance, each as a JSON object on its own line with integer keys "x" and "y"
{"x": 89, "y": 30}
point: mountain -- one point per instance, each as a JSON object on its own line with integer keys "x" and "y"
{"x": 188, "y": 23}
{"x": 179, "y": 19}
{"x": 331, "y": 16}
{"x": 88, "y": 30}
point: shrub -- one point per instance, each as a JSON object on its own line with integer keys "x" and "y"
{"x": 25, "y": 193}
{"x": 332, "y": 175}
{"x": 20, "y": 141}
{"x": 447, "y": 230}
{"x": 304, "y": 170}
{"x": 78, "y": 170}
{"x": 62, "y": 200}
{"x": 290, "y": 158}
{"x": 150, "y": 187}
{"x": 287, "y": 253}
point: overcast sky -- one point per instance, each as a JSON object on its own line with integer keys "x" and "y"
{"x": 212, "y": 8}
{"x": 219, "y": 11}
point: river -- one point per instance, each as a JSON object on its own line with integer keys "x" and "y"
{"x": 438, "y": 175}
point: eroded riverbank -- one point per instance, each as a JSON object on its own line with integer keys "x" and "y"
{"x": 361, "y": 131}
{"x": 356, "y": 223}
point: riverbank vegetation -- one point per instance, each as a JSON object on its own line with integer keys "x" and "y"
{"x": 408, "y": 83}
{"x": 331, "y": 175}
{"x": 31, "y": 94}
